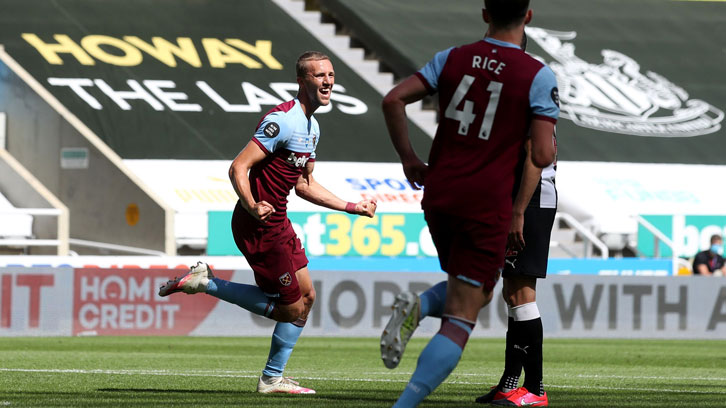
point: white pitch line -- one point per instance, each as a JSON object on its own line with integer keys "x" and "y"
{"x": 227, "y": 374}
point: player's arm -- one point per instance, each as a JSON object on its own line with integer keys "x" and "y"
{"x": 531, "y": 176}
{"x": 394, "y": 111}
{"x": 238, "y": 175}
{"x": 542, "y": 149}
{"x": 545, "y": 104}
{"x": 310, "y": 190}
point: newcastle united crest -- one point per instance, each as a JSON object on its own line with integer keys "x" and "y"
{"x": 615, "y": 96}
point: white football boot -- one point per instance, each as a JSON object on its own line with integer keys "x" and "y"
{"x": 398, "y": 331}
{"x": 194, "y": 281}
{"x": 283, "y": 385}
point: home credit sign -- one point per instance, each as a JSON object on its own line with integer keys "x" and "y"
{"x": 126, "y": 302}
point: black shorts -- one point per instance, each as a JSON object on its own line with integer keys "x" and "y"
{"x": 532, "y": 260}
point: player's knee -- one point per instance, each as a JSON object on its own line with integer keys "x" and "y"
{"x": 309, "y": 298}
{"x": 290, "y": 313}
{"x": 488, "y": 295}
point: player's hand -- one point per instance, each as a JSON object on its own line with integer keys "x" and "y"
{"x": 415, "y": 171}
{"x": 515, "y": 240}
{"x": 262, "y": 210}
{"x": 366, "y": 207}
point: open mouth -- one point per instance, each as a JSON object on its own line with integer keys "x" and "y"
{"x": 325, "y": 92}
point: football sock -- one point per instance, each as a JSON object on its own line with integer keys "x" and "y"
{"x": 436, "y": 361}
{"x": 283, "y": 340}
{"x": 432, "y": 300}
{"x": 529, "y": 345}
{"x": 248, "y": 297}
{"x": 512, "y": 362}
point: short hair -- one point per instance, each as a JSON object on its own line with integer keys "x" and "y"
{"x": 715, "y": 238}
{"x": 505, "y": 13}
{"x": 300, "y": 68}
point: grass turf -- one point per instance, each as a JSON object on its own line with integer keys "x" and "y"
{"x": 212, "y": 372}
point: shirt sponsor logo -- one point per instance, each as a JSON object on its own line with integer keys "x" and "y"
{"x": 297, "y": 161}
{"x": 616, "y": 97}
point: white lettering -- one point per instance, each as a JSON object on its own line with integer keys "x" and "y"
{"x": 139, "y": 291}
{"x": 120, "y": 97}
{"x": 111, "y": 280}
{"x": 170, "y": 98}
{"x": 314, "y": 230}
{"x": 89, "y": 288}
{"x": 126, "y": 316}
{"x": 86, "y": 322}
{"x": 476, "y": 62}
{"x": 109, "y": 316}
{"x": 76, "y": 85}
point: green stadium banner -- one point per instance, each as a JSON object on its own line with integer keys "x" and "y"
{"x": 640, "y": 80}
{"x": 336, "y": 234}
{"x": 170, "y": 79}
{"x": 690, "y": 233}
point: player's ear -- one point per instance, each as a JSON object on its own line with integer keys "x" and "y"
{"x": 485, "y": 15}
{"x": 528, "y": 16}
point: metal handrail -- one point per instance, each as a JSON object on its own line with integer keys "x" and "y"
{"x": 585, "y": 232}
{"x": 115, "y": 247}
{"x": 659, "y": 236}
{"x": 60, "y": 243}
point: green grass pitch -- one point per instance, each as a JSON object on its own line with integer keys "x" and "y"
{"x": 218, "y": 372}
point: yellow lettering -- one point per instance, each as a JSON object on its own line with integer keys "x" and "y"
{"x": 339, "y": 234}
{"x": 65, "y": 45}
{"x": 165, "y": 51}
{"x": 131, "y": 55}
{"x": 221, "y": 54}
{"x": 261, "y": 50}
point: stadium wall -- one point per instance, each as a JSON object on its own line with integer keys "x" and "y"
{"x": 107, "y": 205}
{"x": 65, "y": 301}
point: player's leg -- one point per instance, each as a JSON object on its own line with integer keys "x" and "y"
{"x": 472, "y": 254}
{"x": 296, "y": 298}
{"x": 200, "y": 279}
{"x": 524, "y": 328}
{"x": 286, "y": 334}
{"x": 442, "y": 354}
{"x": 408, "y": 310}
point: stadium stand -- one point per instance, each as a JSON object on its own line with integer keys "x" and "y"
{"x": 623, "y": 101}
{"x": 14, "y": 225}
{"x": 32, "y": 219}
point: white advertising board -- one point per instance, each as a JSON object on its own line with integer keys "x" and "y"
{"x": 93, "y": 301}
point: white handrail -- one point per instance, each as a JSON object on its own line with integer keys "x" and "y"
{"x": 30, "y": 211}
{"x": 573, "y": 223}
{"x": 28, "y": 242}
{"x": 659, "y": 235}
{"x": 61, "y": 243}
{"x": 115, "y": 247}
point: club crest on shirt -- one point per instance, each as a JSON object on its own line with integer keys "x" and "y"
{"x": 615, "y": 96}
{"x": 272, "y": 129}
{"x": 286, "y": 279}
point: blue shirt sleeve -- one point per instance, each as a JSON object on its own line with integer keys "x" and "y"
{"x": 544, "y": 98}
{"x": 316, "y": 133}
{"x": 273, "y": 133}
{"x": 432, "y": 70}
